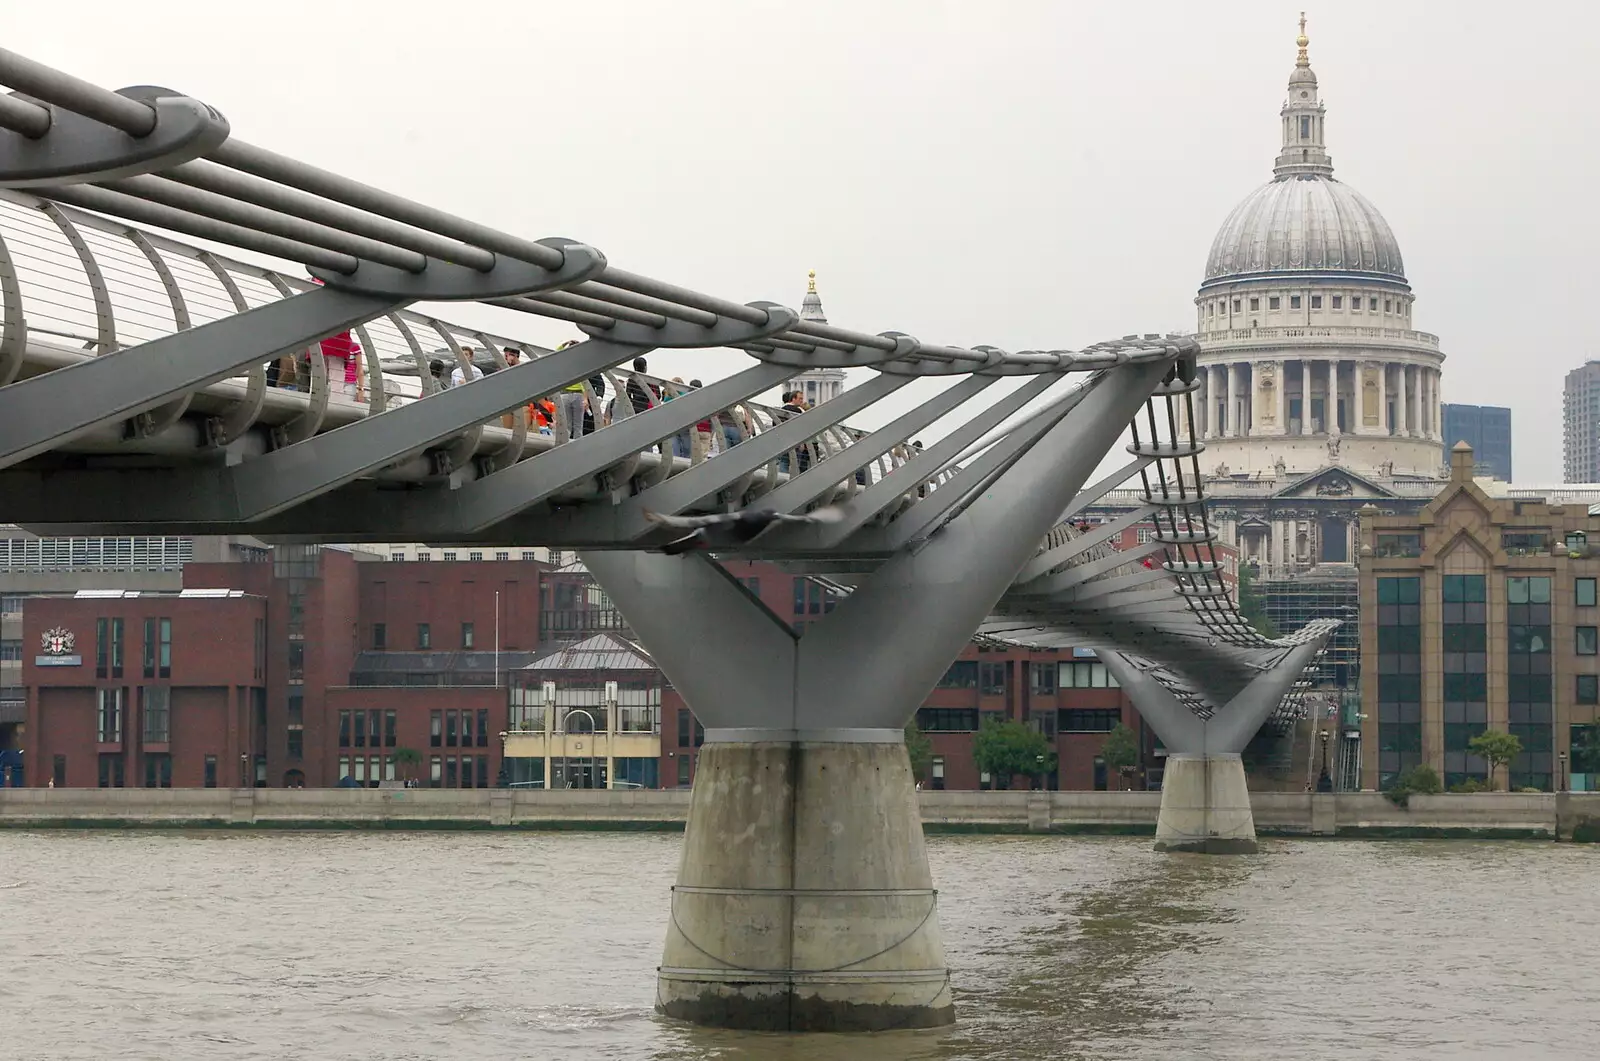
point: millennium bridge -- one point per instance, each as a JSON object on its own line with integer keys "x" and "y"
{"x": 144, "y": 390}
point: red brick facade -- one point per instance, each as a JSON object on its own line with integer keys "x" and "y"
{"x": 265, "y": 686}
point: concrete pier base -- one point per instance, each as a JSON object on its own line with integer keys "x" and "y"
{"x": 804, "y": 900}
{"x": 1205, "y": 806}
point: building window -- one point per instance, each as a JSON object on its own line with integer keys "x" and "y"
{"x": 435, "y": 765}
{"x": 397, "y": 556}
{"x": 1211, "y": 309}
{"x": 684, "y": 764}
{"x": 11, "y": 650}
{"x": 1085, "y": 676}
{"x": 1529, "y": 679}
{"x": 947, "y": 719}
{"x": 1338, "y": 302}
{"x": 502, "y": 555}
{"x": 158, "y": 771}
{"x": 936, "y": 774}
{"x": 1236, "y": 305}
{"x": 157, "y": 715}
{"x": 296, "y": 743}
{"x": 483, "y": 727}
{"x": 148, "y": 649}
{"x": 466, "y": 729}
{"x": 1316, "y": 301}
{"x": 992, "y": 679}
{"x": 475, "y": 556}
{"x": 108, "y": 717}
{"x": 424, "y": 556}
{"x": 1399, "y": 676}
{"x": 424, "y": 636}
{"x": 380, "y": 636}
{"x": 1583, "y": 593}
{"x": 1588, "y": 689}
{"x": 962, "y": 674}
{"x": 164, "y": 659}
{"x": 389, "y": 735}
{"x": 1372, "y": 304}
{"x": 1255, "y": 304}
{"x": 58, "y": 771}
{"x": 452, "y": 768}
{"x": 1088, "y": 720}
{"x": 358, "y": 728}
{"x": 435, "y": 728}
{"x": 451, "y": 728}
{"x": 1042, "y": 678}
{"x": 466, "y": 635}
{"x": 1273, "y": 302}
{"x": 1587, "y": 642}
{"x": 344, "y": 729}
{"x": 449, "y": 555}
{"x": 527, "y": 554}
{"x": 116, "y": 648}
{"x": 1388, "y": 307}
{"x": 111, "y": 770}
{"x": 1294, "y": 301}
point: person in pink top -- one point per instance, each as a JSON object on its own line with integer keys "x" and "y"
{"x": 342, "y": 355}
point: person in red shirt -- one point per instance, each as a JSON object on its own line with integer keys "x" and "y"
{"x": 342, "y": 356}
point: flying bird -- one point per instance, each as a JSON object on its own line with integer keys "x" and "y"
{"x": 732, "y": 528}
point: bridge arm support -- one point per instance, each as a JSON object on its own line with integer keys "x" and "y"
{"x": 1205, "y": 800}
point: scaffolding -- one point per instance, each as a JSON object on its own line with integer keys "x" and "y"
{"x": 1326, "y": 591}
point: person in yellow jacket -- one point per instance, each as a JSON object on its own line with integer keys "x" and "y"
{"x": 571, "y": 402}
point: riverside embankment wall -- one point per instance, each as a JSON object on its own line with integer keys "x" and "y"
{"x": 1490, "y": 814}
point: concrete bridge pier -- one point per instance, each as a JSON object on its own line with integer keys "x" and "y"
{"x": 804, "y": 901}
{"x": 1205, "y": 799}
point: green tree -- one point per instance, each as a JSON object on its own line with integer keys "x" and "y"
{"x": 1497, "y": 749}
{"x": 1586, "y": 749}
{"x": 920, "y": 750}
{"x": 1121, "y": 750}
{"x": 1251, "y": 608}
{"x": 405, "y": 760}
{"x": 1006, "y": 749}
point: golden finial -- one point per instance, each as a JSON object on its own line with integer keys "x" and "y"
{"x": 811, "y": 282}
{"x": 1302, "y": 41}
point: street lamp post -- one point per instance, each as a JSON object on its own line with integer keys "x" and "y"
{"x": 1561, "y": 772}
{"x": 1324, "y": 781}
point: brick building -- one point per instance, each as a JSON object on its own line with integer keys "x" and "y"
{"x": 316, "y": 665}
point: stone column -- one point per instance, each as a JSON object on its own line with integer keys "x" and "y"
{"x": 1403, "y": 411}
{"x": 1282, "y": 383}
{"x": 1383, "y": 398}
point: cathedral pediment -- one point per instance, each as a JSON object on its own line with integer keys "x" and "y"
{"x": 1334, "y": 482}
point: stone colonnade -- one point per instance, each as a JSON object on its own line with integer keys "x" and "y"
{"x": 1291, "y": 396}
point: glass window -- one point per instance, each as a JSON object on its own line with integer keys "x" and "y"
{"x": 435, "y": 765}
{"x": 1236, "y": 305}
{"x": 424, "y": 636}
{"x": 1042, "y": 678}
{"x": 1588, "y": 689}
{"x": 1273, "y": 302}
{"x": 380, "y": 636}
{"x": 483, "y": 727}
{"x": 466, "y": 635}
{"x": 211, "y": 772}
{"x": 116, "y": 648}
{"x": 388, "y": 729}
{"x": 157, "y": 713}
{"x": 164, "y": 660}
{"x": 1338, "y": 302}
{"x": 947, "y": 719}
{"x": 344, "y": 729}
{"x": 1294, "y": 301}
{"x": 1583, "y": 593}
{"x": 1255, "y": 304}
{"x": 1587, "y": 642}
{"x": 297, "y": 743}
{"x": 683, "y": 770}
{"x": 475, "y": 555}
{"x": 1088, "y": 720}
{"x": 1372, "y": 304}
{"x": 992, "y": 678}
{"x": 149, "y": 648}
{"x": 451, "y": 724}
{"x": 1316, "y": 301}
{"x": 963, "y": 674}
{"x": 435, "y": 728}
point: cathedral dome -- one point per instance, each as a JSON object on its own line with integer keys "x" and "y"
{"x": 1305, "y": 223}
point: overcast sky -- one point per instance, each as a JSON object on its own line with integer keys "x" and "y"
{"x": 1026, "y": 174}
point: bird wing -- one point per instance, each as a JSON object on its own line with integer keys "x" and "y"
{"x": 689, "y": 522}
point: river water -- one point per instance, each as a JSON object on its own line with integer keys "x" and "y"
{"x": 494, "y": 945}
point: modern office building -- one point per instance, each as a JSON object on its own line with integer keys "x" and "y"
{"x": 1481, "y": 614}
{"x": 1580, "y": 425}
{"x": 1487, "y": 429}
